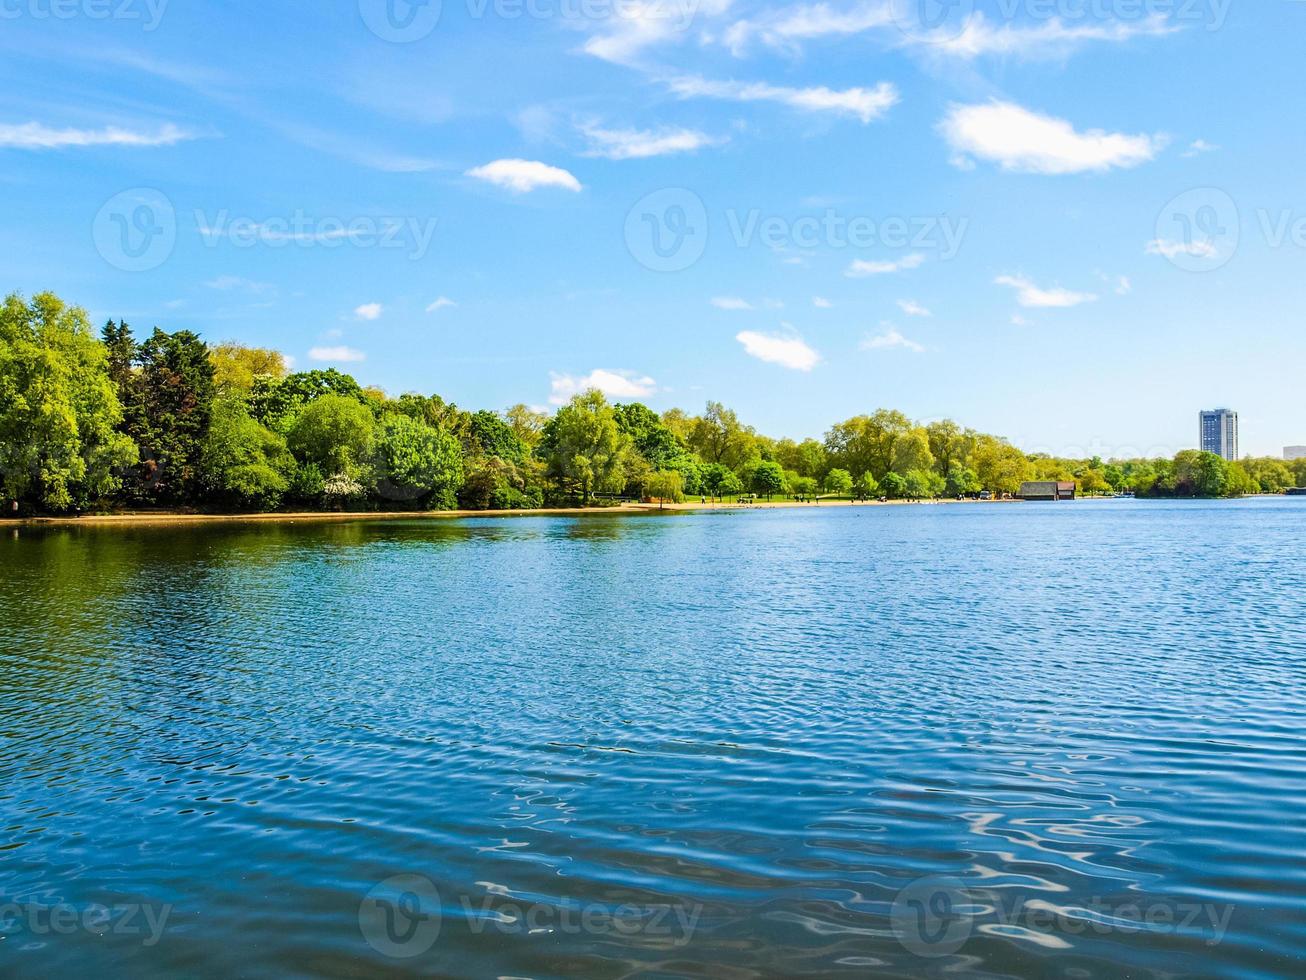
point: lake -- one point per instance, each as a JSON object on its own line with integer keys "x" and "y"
{"x": 1030, "y": 740}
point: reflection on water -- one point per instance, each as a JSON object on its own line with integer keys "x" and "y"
{"x": 1017, "y": 741}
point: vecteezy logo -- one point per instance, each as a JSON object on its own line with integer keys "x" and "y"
{"x": 933, "y": 916}
{"x": 400, "y": 21}
{"x": 667, "y": 230}
{"x": 1199, "y": 230}
{"x": 136, "y": 230}
{"x": 933, "y": 21}
{"x": 400, "y": 917}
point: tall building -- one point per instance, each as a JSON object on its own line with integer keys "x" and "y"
{"x": 1219, "y": 433}
{"x": 1294, "y": 452}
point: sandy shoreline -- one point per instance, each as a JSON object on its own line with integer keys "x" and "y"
{"x": 134, "y": 519}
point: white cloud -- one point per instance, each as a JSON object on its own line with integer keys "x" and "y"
{"x": 913, "y": 308}
{"x": 638, "y": 144}
{"x": 867, "y": 104}
{"x": 785, "y": 29}
{"x": 369, "y": 311}
{"x": 861, "y": 268}
{"x": 1124, "y": 286}
{"x": 1027, "y": 142}
{"x": 1198, "y": 147}
{"x": 639, "y": 25}
{"x": 440, "y": 304}
{"x": 1048, "y": 39}
{"x": 1019, "y": 321}
{"x": 35, "y": 136}
{"x": 336, "y": 354}
{"x": 821, "y": 303}
{"x": 1171, "y": 249}
{"x": 614, "y": 384}
{"x": 731, "y": 303}
{"x": 1032, "y": 297}
{"x": 787, "y": 351}
{"x": 891, "y": 339}
{"x": 522, "y": 176}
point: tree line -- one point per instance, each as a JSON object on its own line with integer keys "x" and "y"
{"x": 101, "y": 421}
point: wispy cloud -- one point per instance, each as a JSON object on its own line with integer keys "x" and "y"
{"x": 731, "y": 303}
{"x": 440, "y": 304}
{"x": 866, "y": 104}
{"x": 1197, "y": 147}
{"x": 891, "y": 339}
{"x": 913, "y": 308}
{"x": 638, "y": 144}
{"x": 339, "y": 355}
{"x": 369, "y": 311}
{"x": 789, "y": 351}
{"x": 787, "y": 28}
{"x": 1033, "y": 297}
{"x": 861, "y": 268}
{"x": 640, "y": 24}
{"x": 1020, "y": 140}
{"x": 821, "y": 303}
{"x": 614, "y": 384}
{"x": 1051, "y": 38}
{"x": 523, "y": 176}
{"x": 1199, "y": 249}
{"x": 35, "y": 136}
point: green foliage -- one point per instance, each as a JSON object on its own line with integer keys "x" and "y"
{"x": 277, "y": 403}
{"x": 767, "y": 479}
{"x": 171, "y": 403}
{"x": 838, "y": 482}
{"x": 415, "y": 462}
{"x": 235, "y": 366}
{"x": 585, "y": 448}
{"x": 866, "y": 487}
{"x": 962, "y": 480}
{"x": 923, "y": 485}
{"x": 59, "y": 410}
{"x": 336, "y": 434}
{"x": 666, "y": 485}
{"x": 245, "y": 464}
{"x": 894, "y": 486}
{"x": 492, "y": 436}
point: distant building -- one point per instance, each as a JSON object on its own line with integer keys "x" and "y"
{"x": 1219, "y": 433}
{"x": 1294, "y": 452}
{"x": 1047, "y": 490}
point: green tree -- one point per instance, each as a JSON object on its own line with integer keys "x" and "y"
{"x": 894, "y": 485}
{"x": 245, "y": 464}
{"x": 866, "y": 487}
{"x": 174, "y": 403}
{"x": 335, "y": 433}
{"x": 665, "y": 485}
{"x": 59, "y": 410}
{"x": 235, "y": 366}
{"x": 416, "y": 462}
{"x": 962, "y": 480}
{"x": 865, "y": 444}
{"x": 838, "y": 482}
{"x": 768, "y": 479}
{"x": 277, "y": 403}
{"x": 585, "y": 448}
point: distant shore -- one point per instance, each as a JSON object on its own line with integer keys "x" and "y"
{"x": 178, "y": 519}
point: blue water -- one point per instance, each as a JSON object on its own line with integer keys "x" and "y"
{"x": 1031, "y": 740}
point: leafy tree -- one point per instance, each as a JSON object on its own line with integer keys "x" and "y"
{"x": 865, "y": 444}
{"x": 894, "y": 485}
{"x": 719, "y": 437}
{"x": 866, "y": 487}
{"x": 715, "y": 479}
{"x": 245, "y": 464}
{"x": 58, "y": 408}
{"x": 235, "y": 366}
{"x": 911, "y": 451}
{"x": 839, "y": 483}
{"x": 922, "y": 484}
{"x": 417, "y": 462}
{"x": 527, "y": 424}
{"x": 666, "y": 485}
{"x": 585, "y": 447}
{"x": 768, "y": 479}
{"x": 492, "y": 436}
{"x": 173, "y": 403}
{"x": 335, "y": 433}
{"x": 277, "y": 403}
{"x": 1269, "y": 475}
{"x": 962, "y": 480}
{"x": 1000, "y": 466}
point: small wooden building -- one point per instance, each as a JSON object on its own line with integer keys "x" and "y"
{"x": 1047, "y": 490}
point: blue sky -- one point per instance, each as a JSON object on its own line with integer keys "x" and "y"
{"x": 1071, "y": 222}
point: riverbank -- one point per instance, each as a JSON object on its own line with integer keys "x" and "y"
{"x": 164, "y": 518}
